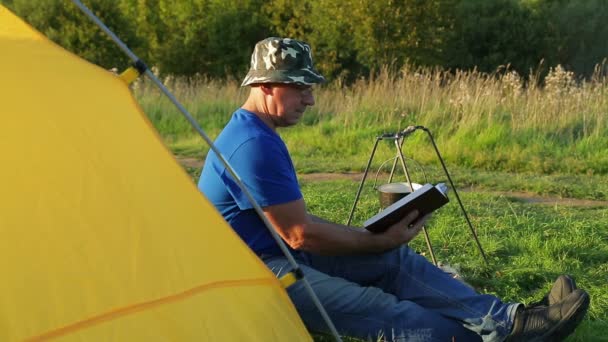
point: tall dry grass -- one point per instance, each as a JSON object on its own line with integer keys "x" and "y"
{"x": 494, "y": 121}
{"x": 465, "y": 98}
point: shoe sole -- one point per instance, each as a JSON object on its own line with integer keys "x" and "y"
{"x": 570, "y": 320}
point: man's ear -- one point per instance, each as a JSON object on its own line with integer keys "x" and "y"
{"x": 266, "y": 88}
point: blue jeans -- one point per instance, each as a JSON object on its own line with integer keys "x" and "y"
{"x": 397, "y": 295}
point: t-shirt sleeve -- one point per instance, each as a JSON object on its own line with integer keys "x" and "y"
{"x": 266, "y": 169}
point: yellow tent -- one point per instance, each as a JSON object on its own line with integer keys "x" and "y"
{"x": 102, "y": 236}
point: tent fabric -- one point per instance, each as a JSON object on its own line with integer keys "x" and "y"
{"x": 103, "y": 236}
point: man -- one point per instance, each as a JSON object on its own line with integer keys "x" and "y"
{"x": 372, "y": 285}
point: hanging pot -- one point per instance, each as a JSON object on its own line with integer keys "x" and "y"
{"x": 392, "y": 192}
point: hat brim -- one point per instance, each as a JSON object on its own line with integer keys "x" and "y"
{"x": 301, "y": 77}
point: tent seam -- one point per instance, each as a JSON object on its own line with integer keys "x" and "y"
{"x": 131, "y": 309}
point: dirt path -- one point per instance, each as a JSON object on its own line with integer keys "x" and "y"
{"x": 357, "y": 176}
{"x": 519, "y": 195}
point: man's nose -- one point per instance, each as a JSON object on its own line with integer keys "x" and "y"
{"x": 309, "y": 100}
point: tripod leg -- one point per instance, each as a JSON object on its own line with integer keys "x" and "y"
{"x": 390, "y": 177}
{"x": 402, "y": 160}
{"x": 409, "y": 181}
{"x": 464, "y": 212}
{"x": 369, "y": 162}
{"x": 429, "y": 246}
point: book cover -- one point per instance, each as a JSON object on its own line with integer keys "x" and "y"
{"x": 426, "y": 199}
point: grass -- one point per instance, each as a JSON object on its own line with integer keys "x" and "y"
{"x": 559, "y": 186}
{"x": 499, "y": 122}
{"x": 528, "y": 245}
{"x": 499, "y": 132}
{"x": 579, "y": 186}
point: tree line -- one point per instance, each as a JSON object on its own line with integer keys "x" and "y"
{"x": 350, "y": 38}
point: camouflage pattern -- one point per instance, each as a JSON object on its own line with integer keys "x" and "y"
{"x": 282, "y": 60}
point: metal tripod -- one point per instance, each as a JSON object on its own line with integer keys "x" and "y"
{"x": 398, "y": 139}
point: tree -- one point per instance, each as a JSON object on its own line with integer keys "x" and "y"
{"x": 487, "y": 34}
{"x": 65, "y": 24}
{"x": 575, "y": 33}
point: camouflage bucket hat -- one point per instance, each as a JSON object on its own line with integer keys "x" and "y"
{"x": 282, "y": 60}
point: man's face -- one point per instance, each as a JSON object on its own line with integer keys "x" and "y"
{"x": 291, "y": 101}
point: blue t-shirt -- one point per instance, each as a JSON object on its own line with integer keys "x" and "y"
{"x": 260, "y": 158}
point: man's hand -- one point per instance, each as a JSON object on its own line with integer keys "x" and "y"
{"x": 303, "y": 231}
{"x": 405, "y": 230}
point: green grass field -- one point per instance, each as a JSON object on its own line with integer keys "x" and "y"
{"x": 499, "y": 122}
{"x": 498, "y": 134}
{"x": 528, "y": 245}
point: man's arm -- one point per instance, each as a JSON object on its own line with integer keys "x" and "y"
{"x": 303, "y": 231}
{"x": 317, "y": 219}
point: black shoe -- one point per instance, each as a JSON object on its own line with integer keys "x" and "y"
{"x": 563, "y": 286}
{"x": 550, "y": 323}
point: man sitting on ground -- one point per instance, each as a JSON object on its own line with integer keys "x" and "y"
{"x": 372, "y": 285}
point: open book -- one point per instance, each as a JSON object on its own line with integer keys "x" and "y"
{"x": 426, "y": 199}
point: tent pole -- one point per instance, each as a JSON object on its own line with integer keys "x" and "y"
{"x": 209, "y": 142}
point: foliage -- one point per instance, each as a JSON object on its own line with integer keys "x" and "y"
{"x": 210, "y": 37}
{"x": 575, "y": 33}
{"x": 487, "y": 34}
{"x": 65, "y": 24}
{"x": 350, "y": 38}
